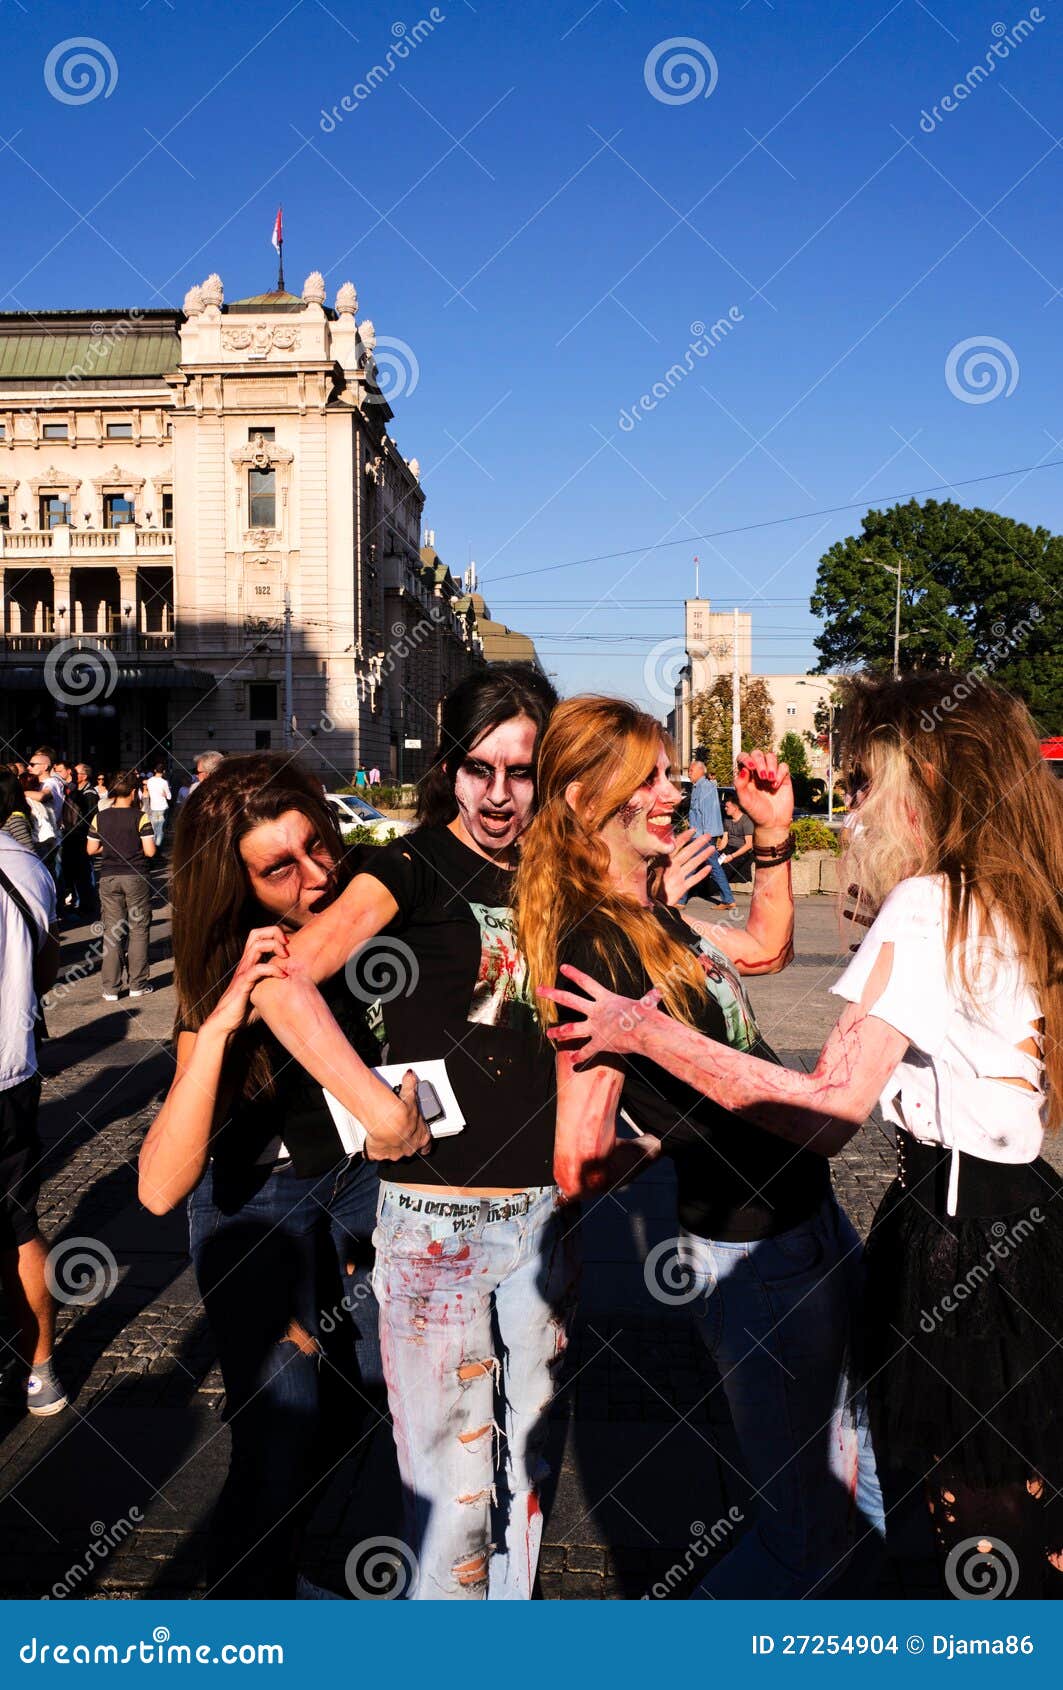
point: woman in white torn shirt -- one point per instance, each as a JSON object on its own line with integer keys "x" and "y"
{"x": 954, "y": 1023}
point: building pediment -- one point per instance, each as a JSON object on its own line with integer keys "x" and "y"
{"x": 260, "y": 453}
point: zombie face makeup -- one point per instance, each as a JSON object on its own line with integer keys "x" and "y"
{"x": 495, "y": 788}
{"x": 289, "y": 870}
{"x": 642, "y": 827}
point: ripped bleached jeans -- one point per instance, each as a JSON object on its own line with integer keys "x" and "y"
{"x": 474, "y": 1298}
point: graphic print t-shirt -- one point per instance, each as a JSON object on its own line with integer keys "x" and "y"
{"x": 454, "y": 944}
{"x": 737, "y": 1182}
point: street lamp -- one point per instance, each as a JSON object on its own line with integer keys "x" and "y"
{"x": 830, "y": 747}
{"x": 894, "y": 569}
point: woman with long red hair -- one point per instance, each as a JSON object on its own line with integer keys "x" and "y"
{"x": 777, "y": 1260}
{"x": 953, "y": 1022}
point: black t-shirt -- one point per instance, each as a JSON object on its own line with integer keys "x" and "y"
{"x": 121, "y": 831}
{"x": 296, "y": 1113}
{"x": 736, "y": 1182}
{"x": 471, "y": 1004}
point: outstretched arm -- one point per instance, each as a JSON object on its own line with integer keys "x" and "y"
{"x": 765, "y": 944}
{"x": 819, "y": 1111}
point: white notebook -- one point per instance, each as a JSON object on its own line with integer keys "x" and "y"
{"x": 350, "y": 1128}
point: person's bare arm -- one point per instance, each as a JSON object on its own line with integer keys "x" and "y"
{"x": 176, "y": 1150}
{"x": 147, "y": 844}
{"x": 299, "y": 1017}
{"x": 819, "y": 1111}
{"x": 325, "y": 945}
{"x": 589, "y": 1158}
{"x": 766, "y": 943}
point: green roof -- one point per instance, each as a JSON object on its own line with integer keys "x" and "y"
{"x": 58, "y": 356}
{"x": 275, "y": 301}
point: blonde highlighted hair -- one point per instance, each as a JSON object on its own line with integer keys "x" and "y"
{"x": 607, "y": 749}
{"x": 957, "y": 786}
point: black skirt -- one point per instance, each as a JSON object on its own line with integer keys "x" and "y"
{"x": 964, "y": 1320}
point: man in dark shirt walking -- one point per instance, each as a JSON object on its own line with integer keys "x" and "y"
{"x": 120, "y": 838}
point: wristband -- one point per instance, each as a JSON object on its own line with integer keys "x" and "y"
{"x": 768, "y": 857}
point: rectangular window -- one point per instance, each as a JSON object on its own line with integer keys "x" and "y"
{"x": 5, "y": 516}
{"x": 266, "y": 433}
{"x": 120, "y": 431}
{"x": 262, "y": 498}
{"x": 262, "y": 739}
{"x": 54, "y": 510}
{"x": 117, "y": 510}
{"x": 3, "y": 431}
{"x": 262, "y": 701}
{"x": 791, "y": 709}
{"x": 167, "y": 510}
{"x": 56, "y": 431}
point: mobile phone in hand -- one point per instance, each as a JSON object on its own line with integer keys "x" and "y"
{"x": 428, "y": 1101}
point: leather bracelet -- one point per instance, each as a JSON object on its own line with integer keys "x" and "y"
{"x": 773, "y": 860}
{"x": 775, "y": 852}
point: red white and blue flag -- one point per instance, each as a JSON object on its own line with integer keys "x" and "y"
{"x": 278, "y": 230}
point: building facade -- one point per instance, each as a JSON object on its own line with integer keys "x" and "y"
{"x": 709, "y": 643}
{"x": 210, "y": 539}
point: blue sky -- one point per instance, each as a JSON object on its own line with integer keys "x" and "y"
{"x": 517, "y": 205}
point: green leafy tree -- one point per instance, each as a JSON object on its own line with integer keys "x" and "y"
{"x": 712, "y": 721}
{"x": 978, "y": 591}
{"x": 792, "y": 750}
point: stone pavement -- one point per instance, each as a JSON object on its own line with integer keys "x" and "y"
{"x": 647, "y": 1464}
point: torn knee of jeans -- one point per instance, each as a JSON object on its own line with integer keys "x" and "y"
{"x": 300, "y": 1337}
{"x": 471, "y": 1498}
{"x": 468, "y": 1438}
{"x": 470, "y": 1370}
{"x": 473, "y": 1571}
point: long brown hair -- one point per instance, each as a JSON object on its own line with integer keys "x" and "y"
{"x": 563, "y": 883}
{"x": 957, "y": 786}
{"x": 214, "y": 908}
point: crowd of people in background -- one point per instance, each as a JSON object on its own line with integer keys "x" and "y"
{"x": 590, "y": 1023}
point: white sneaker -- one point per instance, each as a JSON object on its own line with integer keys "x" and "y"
{"x": 142, "y": 992}
{"x": 110, "y": 997}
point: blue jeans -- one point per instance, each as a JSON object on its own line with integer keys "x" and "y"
{"x": 718, "y": 875}
{"x": 474, "y": 1310}
{"x": 778, "y": 1317}
{"x": 296, "y": 1333}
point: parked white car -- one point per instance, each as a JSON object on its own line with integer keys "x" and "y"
{"x": 352, "y": 811}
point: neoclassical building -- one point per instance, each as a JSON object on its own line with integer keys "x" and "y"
{"x": 209, "y": 538}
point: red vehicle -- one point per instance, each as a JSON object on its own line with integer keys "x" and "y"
{"x": 1052, "y": 751}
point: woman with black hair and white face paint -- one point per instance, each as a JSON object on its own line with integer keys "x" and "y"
{"x": 474, "y": 1268}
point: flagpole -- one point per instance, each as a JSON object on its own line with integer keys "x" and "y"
{"x": 280, "y": 261}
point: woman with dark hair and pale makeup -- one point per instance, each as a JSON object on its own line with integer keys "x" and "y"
{"x": 474, "y": 1271}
